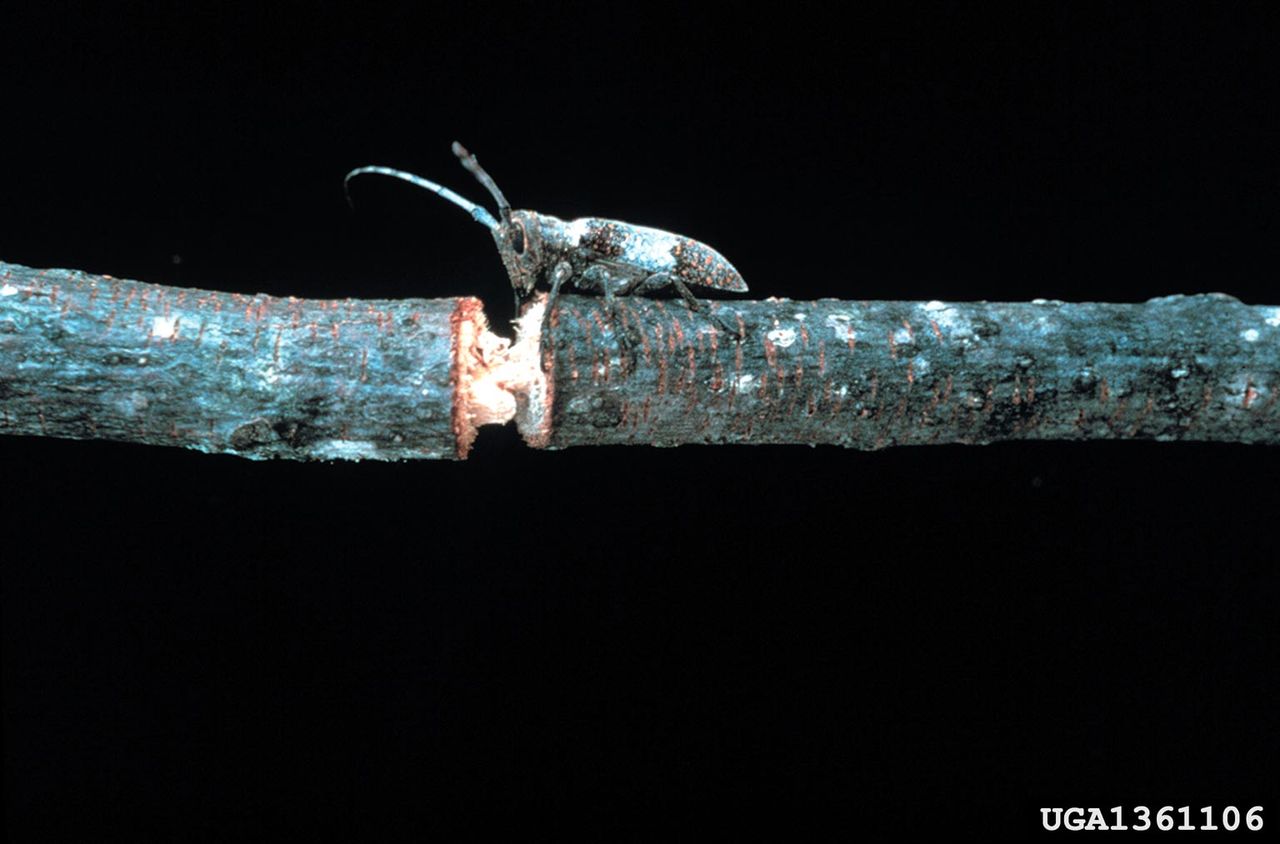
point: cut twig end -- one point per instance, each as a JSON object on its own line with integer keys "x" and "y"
{"x": 498, "y": 379}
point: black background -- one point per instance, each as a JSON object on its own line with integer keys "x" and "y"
{"x": 919, "y": 639}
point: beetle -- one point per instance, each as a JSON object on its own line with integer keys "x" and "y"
{"x": 604, "y": 256}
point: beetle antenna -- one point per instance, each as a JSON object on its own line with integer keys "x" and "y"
{"x": 476, "y": 211}
{"x": 469, "y": 161}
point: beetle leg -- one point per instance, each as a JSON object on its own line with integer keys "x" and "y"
{"x": 597, "y": 278}
{"x": 559, "y": 274}
{"x": 632, "y": 284}
{"x": 657, "y": 281}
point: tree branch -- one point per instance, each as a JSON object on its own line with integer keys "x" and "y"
{"x": 874, "y": 374}
{"x": 85, "y": 356}
{"x": 94, "y": 357}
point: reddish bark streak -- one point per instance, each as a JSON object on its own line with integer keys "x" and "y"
{"x": 662, "y": 361}
{"x": 1142, "y": 415}
{"x": 677, "y": 333}
{"x": 1121, "y": 406}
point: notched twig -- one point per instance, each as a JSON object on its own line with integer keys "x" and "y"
{"x": 93, "y": 357}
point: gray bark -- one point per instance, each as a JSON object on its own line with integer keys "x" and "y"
{"x": 94, "y": 357}
{"x": 874, "y": 374}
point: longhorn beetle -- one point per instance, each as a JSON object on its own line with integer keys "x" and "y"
{"x": 605, "y": 256}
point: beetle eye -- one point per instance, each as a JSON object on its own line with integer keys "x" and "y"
{"x": 517, "y": 239}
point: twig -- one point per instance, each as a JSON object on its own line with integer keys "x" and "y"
{"x": 85, "y": 356}
{"x": 874, "y": 374}
{"x": 94, "y": 357}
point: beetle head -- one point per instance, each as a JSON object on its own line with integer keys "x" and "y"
{"x": 517, "y": 234}
{"x": 519, "y": 241}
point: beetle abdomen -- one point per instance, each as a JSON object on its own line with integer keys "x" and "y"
{"x": 657, "y": 251}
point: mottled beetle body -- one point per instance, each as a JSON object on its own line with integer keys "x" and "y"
{"x": 625, "y": 252}
{"x": 604, "y": 256}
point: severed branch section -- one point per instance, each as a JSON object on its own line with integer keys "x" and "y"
{"x": 874, "y": 374}
{"x": 85, "y": 357}
{"x": 95, "y": 357}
